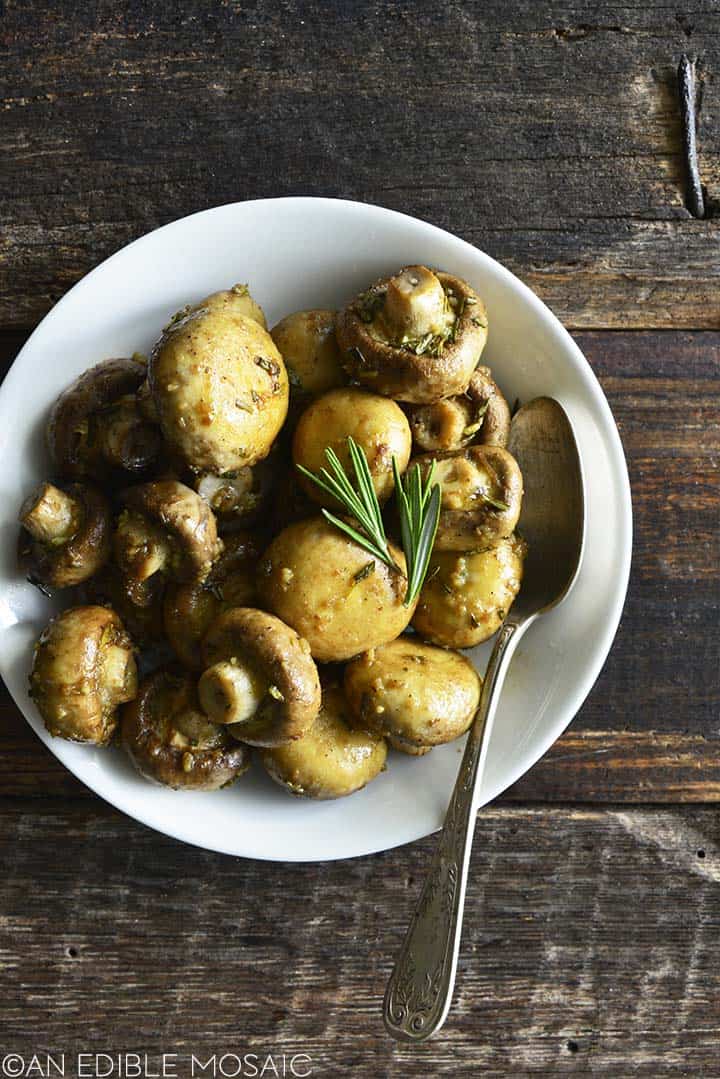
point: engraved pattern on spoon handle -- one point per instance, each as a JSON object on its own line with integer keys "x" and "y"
{"x": 420, "y": 988}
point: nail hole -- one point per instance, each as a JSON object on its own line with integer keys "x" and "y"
{"x": 572, "y": 1046}
{"x": 72, "y": 953}
{"x": 701, "y": 854}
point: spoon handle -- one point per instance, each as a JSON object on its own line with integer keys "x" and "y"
{"x": 418, "y": 996}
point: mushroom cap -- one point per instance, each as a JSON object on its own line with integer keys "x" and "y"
{"x": 332, "y": 759}
{"x": 416, "y": 694}
{"x": 91, "y": 392}
{"x": 66, "y": 681}
{"x": 467, "y": 594}
{"x": 400, "y": 372}
{"x": 378, "y": 425}
{"x": 307, "y": 343}
{"x": 187, "y": 520}
{"x": 468, "y": 521}
{"x": 83, "y": 554}
{"x": 237, "y": 298}
{"x": 484, "y": 391}
{"x": 190, "y": 608}
{"x": 339, "y": 597}
{"x": 282, "y": 658}
{"x": 220, "y": 387}
{"x": 480, "y": 415}
{"x": 171, "y": 741}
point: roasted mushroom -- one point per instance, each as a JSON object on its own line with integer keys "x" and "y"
{"x": 240, "y": 498}
{"x": 467, "y": 594}
{"x": 338, "y": 597}
{"x": 417, "y": 336}
{"x": 83, "y": 669}
{"x": 332, "y": 759}
{"x": 191, "y": 608}
{"x": 417, "y": 695}
{"x": 307, "y": 343}
{"x": 259, "y": 677}
{"x": 139, "y": 604}
{"x": 219, "y": 385}
{"x": 96, "y": 426}
{"x": 66, "y": 534}
{"x": 479, "y": 415}
{"x": 378, "y": 426}
{"x": 481, "y": 496}
{"x": 171, "y": 741}
{"x": 165, "y": 526}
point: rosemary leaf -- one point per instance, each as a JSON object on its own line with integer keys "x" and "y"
{"x": 365, "y": 483}
{"x": 496, "y": 503}
{"x": 419, "y": 511}
{"x": 423, "y": 548}
{"x": 361, "y": 540}
{"x": 366, "y": 570}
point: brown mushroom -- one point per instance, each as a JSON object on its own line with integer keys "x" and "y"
{"x": 96, "y": 426}
{"x": 332, "y": 759}
{"x": 306, "y": 340}
{"x": 219, "y": 385}
{"x": 171, "y": 741}
{"x": 165, "y": 526}
{"x": 191, "y": 608}
{"x": 139, "y": 603}
{"x": 239, "y": 498}
{"x": 414, "y": 694}
{"x": 481, "y": 496}
{"x": 417, "y": 336}
{"x": 83, "y": 669}
{"x": 66, "y": 534}
{"x": 480, "y": 415}
{"x": 340, "y": 598}
{"x": 467, "y": 594}
{"x": 378, "y": 426}
{"x": 259, "y": 677}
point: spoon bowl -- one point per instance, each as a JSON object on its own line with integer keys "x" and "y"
{"x": 552, "y": 517}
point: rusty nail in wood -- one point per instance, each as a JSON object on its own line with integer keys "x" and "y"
{"x": 694, "y": 197}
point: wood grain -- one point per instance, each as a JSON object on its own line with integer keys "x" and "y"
{"x": 589, "y": 947}
{"x": 547, "y": 136}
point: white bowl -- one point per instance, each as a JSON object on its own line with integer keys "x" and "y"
{"x": 298, "y": 253}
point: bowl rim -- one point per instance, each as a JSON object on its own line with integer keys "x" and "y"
{"x": 620, "y": 485}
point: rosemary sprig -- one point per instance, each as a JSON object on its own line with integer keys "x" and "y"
{"x": 362, "y": 504}
{"x": 418, "y": 506}
{"x": 419, "y": 510}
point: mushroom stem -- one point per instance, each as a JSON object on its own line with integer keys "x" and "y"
{"x": 231, "y": 692}
{"x": 140, "y": 549}
{"x": 50, "y": 515}
{"x": 226, "y": 494}
{"x": 415, "y": 303}
{"x": 119, "y": 674}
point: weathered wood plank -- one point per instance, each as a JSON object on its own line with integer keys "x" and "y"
{"x": 648, "y": 731}
{"x": 589, "y": 948}
{"x": 570, "y": 170}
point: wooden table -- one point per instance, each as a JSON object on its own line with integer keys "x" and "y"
{"x": 551, "y": 140}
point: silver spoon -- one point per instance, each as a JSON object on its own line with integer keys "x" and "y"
{"x": 552, "y": 521}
